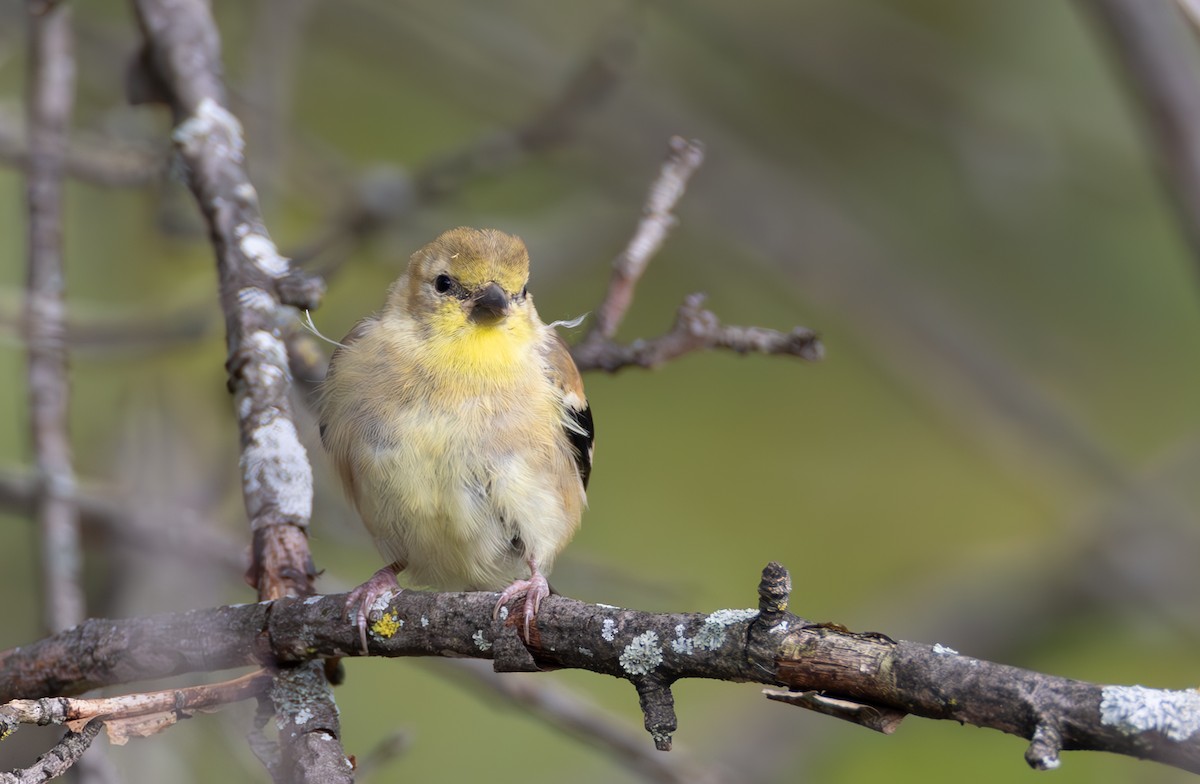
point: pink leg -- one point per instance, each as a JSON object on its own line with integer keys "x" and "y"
{"x": 534, "y": 590}
{"x": 359, "y": 601}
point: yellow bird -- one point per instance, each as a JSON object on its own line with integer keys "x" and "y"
{"x": 458, "y": 423}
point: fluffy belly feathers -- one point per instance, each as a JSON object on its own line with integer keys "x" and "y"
{"x": 458, "y": 511}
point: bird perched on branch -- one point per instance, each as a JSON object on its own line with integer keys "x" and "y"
{"x": 458, "y": 423}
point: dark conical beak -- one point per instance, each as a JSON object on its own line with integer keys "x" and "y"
{"x": 489, "y": 306}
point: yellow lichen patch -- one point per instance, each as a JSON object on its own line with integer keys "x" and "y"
{"x": 387, "y": 626}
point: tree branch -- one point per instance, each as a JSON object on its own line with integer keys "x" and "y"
{"x": 256, "y": 283}
{"x": 651, "y": 650}
{"x": 57, "y": 760}
{"x": 695, "y": 328}
{"x": 97, "y": 161}
{"x": 50, "y": 95}
{"x": 132, "y": 715}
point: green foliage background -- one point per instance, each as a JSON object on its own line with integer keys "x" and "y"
{"x": 998, "y": 453}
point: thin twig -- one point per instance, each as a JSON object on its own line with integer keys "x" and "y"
{"x": 51, "y": 91}
{"x": 695, "y": 329}
{"x": 57, "y": 760}
{"x": 180, "y": 703}
{"x": 683, "y": 158}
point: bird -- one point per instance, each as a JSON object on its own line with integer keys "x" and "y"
{"x": 458, "y": 424}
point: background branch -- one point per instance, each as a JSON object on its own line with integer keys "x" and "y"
{"x": 50, "y": 95}
{"x": 1158, "y": 61}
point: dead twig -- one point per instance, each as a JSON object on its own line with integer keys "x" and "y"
{"x": 695, "y": 328}
{"x": 57, "y": 760}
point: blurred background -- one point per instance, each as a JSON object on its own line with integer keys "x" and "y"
{"x": 998, "y": 453}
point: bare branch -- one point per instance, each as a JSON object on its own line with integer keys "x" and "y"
{"x": 188, "y": 534}
{"x": 695, "y": 328}
{"x": 156, "y": 710}
{"x": 97, "y": 161}
{"x": 51, "y": 92}
{"x": 57, "y": 760}
{"x": 683, "y": 158}
{"x": 767, "y": 645}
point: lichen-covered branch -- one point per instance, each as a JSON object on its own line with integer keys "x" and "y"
{"x": 766, "y": 645}
{"x": 182, "y": 59}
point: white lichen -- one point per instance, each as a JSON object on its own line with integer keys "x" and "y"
{"x": 259, "y": 248}
{"x": 257, "y": 300}
{"x": 681, "y": 644}
{"x": 712, "y": 635}
{"x": 303, "y": 716}
{"x": 424, "y": 621}
{"x": 944, "y": 650}
{"x": 608, "y": 630}
{"x": 313, "y": 599}
{"x": 481, "y": 642}
{"x": 779, "y": 628}
{"x": 268, "y": 346}
{"x": 211, "y": 124}
{"x": 1137, "y": 709}
{"x": 642, "y": 654}
{"x": 586, "y": 652}
{"x": 276, "y": 472}
{"x": 503, "y": 614}
{"x": 245, "y": 191}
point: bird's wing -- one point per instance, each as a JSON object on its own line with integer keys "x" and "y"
{"x": 345, "y": 469}
{"x": 577, "y": 422}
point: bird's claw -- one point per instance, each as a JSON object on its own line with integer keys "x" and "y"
{"x": 534, "y": 590}
{"x": 360, "y": 600}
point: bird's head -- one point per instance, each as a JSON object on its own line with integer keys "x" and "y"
{"x": 467, "y": 291}
{"x": 466, "y": 278}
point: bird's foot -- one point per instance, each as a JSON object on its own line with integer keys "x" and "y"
{"x": 534, "y": 590}
{"x": 359, "y": 601}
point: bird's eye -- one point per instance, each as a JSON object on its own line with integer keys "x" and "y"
{"x": 442, "y": 283}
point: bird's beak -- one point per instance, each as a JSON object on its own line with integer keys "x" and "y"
{"x": 489, "y": 306}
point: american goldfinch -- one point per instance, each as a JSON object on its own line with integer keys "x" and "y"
{"x": 458, "y": 423}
